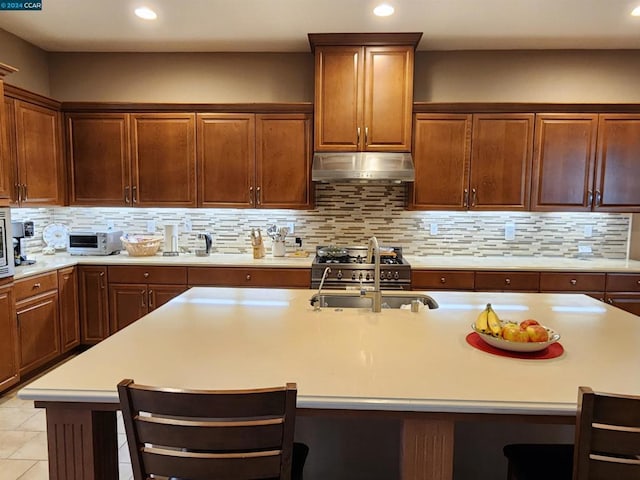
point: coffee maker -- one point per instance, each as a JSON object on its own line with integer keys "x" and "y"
{"x": 21, "y": 230}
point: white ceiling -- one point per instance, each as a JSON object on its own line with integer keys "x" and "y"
{"x": 282, "y": 25}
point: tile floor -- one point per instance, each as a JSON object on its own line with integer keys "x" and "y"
{"x": 23, "y": 441}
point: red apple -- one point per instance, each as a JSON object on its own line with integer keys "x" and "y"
{"x": 526, "y": 323}
{"x": 537, "y": 333}
{"x": 513, "y": 333}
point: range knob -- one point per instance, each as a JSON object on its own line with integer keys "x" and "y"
{"x": 389, "y": 275}
{"x": 339, "y": 274}
{"x": 353, "y": 276}
{"x": 382, "y": 276}
{"x": 360, "y": 276}
{"x": 396, "y": 275}
{"x": 368, "y": 277}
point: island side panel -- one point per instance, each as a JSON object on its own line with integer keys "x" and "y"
{"x": 82, "y": 441}
{"x": 427, "y": 449}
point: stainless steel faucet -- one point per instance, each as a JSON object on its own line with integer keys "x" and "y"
{"x": 373, "y": 248}
{"x": 317, "y": 301}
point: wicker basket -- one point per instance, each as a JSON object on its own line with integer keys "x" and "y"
{"x": 141, "y": 246}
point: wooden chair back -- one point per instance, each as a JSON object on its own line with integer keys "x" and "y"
{"x": 209, "y": 434}
{"x": 607, "y": 437}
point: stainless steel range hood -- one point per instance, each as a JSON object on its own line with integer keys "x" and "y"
{"x": 362, "y": 167}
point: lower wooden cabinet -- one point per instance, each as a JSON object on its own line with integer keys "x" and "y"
{"x": 626, "y": 301}
{"x": 623, "y": 291}
{"x": 572, "y": 282}
{"x": 442, "y": 280}
{"x": 93, "y": 304}
{"x": 9, "y": 371}
{"x": 38, "y": 321}
{"x": 508, "y": 281}
{"x": 250, "y": 277}
{"x": 68, "y": 306}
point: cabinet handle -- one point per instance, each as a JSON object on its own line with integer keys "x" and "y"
{"x": 248, "y": 277}
{"x": 102, "y": 280}
{"x": 638, "y": 282}
{"x": 474, "y": 195}
{"x": 507, "y": 281}
{"x": 24, "y": 192}
{"x": 258, "y": 196}
{"x": 358, "y": 136}
{"x": 443, "y": 280}
{"x": 610, "y": 300}
{"x": 143, "y": 294}
{"x": 589, "y": 198}
{"x": 145, "y": 274}
{"x": 126, "y": 195}
{"x": 366, "y": 136}
{"x": 573, "y": 281}
{"x": 36, "y": 285}
{"x": 251, "y": 201}
{"x": 134, "y": 194}
{"x": 150, "y": 300}
{"x": 465, "y": 198}
{"x": 17, "y": 187}
{"x": 598, "y": 198}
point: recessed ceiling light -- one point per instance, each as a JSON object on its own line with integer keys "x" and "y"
{"x": 146, "y": 13}
{"x": 383, "y": 10}
{"x": 636, "y": 12}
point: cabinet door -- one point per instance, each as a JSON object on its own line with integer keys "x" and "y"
{"x": 127, "y": 303}
{"x": 507, "y": 281}
{"x": 250, "y": 277}
{"x": 158, "y": 295}
{"x": 38, "y": 330}
{"x": 226, "y": 159}
{"x": 338, "y": 114}
{"x": 163, "y": 159}
{"x": 283, "y": 161}
{"x": 629, "y": 302}
{"x": 442, "y": 280}
{"x": 618, "y": 167}
{"x": 441, "y": 154}
{"x": 38, "y": 154}
{"x": 388, "y": 98}
{"x": 572, "y": 282}
{"x": 563, "y": 162}
{"x": 99, "y": 159}
{"x": 6, "y": 175}
{"x": 501, "y": 151}
{"x": 68, "y": 300}
{"x": 94, "y": 304}
{"x": 8, "y": 340}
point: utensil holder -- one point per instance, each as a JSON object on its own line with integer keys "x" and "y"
{"x": 258, "y": 251}
{"x": 278, "y": 249}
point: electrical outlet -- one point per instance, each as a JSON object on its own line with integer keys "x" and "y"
{"x": 509, "y": 231}
{"x": 433, "y": 229}
{"x": 110, "y": 225}
{"x": 188, "y": 226}
{"x": 151, "y": 226}
{"x": 292, "y": 227}
{"x": 584, "y": 248}
{"x": 588, "y": 230}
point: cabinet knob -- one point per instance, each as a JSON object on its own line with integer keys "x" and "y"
{"x": 573, "y": 281}
{"x": 507, "y": 281}
{"x": 36, "y": 285}
{"x": 610, "y": 300}
{"x": 443, "y": 280}
{"x": 146, "y": 275}
{"x": 638, "y": 282}
{"x": 248, "y": 277}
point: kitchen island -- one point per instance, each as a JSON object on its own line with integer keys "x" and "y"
{"x": 416, "y": 367}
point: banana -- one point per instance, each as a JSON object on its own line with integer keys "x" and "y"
{"x": 495, "y": 326}
{"x": 482, "y": 322}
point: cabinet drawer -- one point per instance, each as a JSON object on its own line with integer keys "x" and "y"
{"x": 623, "y": 282}
{"x": 442, "y": 279}
{"x": 166, "y": 275}
{"x": 30, "y": 286}
{"x": 572, "y": 282}
{"x": 508, "y": 281}
{"x": 250, "y": 277}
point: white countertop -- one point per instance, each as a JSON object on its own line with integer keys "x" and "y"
{"x": 355, "y": 359}
{"x": 45, "y": 263}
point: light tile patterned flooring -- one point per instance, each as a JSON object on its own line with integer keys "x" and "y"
{"x": 23, "y": 441}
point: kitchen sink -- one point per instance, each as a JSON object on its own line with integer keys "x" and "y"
{"x": 355, "y": 300}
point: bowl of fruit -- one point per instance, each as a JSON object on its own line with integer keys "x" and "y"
{"x": 525, "y": 336}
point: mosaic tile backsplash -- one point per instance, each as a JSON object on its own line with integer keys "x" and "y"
{"x": 349, "y": 214}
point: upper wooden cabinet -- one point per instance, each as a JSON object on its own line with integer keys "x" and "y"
{"x": 5, "y": 164}
{"x": 441, "y": 155}
{"x": 163, "y": 159}
{"x": 33, "y": 134}
{"x": 363, "y": 91}
{"x": 248, "y": 160}
{"x": 586, "y": 162}
{"x": 478, "y": 162}
{"x": 617, "y": 164}
{"x": 564, "y": 160}
{"x": 501, "y": 154}
{"x": 98, "y": 150}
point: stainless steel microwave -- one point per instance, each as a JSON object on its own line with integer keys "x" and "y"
{"x": 95, "y": 243}
{"x": 7, "y": 264}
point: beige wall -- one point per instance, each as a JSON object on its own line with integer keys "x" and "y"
{"x": 182, "y": 77}
{"x": 31, "y": 61}
{"x": 564, "y": 76}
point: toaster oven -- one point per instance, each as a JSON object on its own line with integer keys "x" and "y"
{"x": 95, "y": 243}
